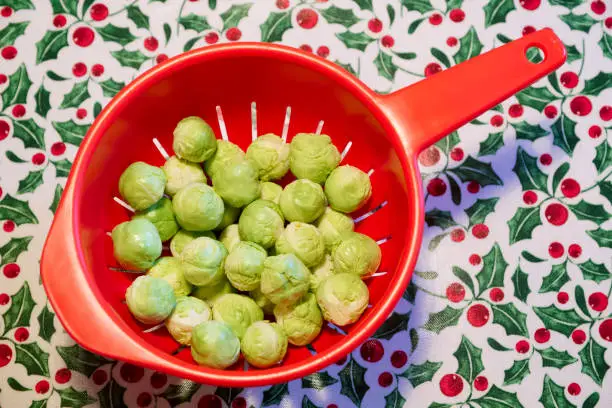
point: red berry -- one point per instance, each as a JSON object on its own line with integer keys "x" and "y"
{"x": 435, "y": 19}
{"x": 496, "y": 295}
{"x": 515, "y": 110}
{"x": 550, "y": 111}
{"x": 21, "y": 334}
{"x": 608, "y": 22}
{"x": 457, "y": 15}
{"x": 79, "y": 69}
{"x": 481, "y": 383}
{"x": 97, "y": 70}
{"x": 332, "y": 406}
{"x": 556, "y": 214}
{"x": 11, "y": 270}
{"x": 306, "y": 47}
{"x": 569, "y": 79}
{"x": 598, "y": 7}
{"x": 81, "y": 113}
{"x": 99, "y": 377}
{"x": 429, "y": 156}
{"x": 211, "y": 38}
{"x": 9, "y": 52}
{"x": 8, "y": 226}
{"x": 144, "y": 399}
{"x": 42, "y": 386}
{"x": 161, "y": 58}
{"x": 528, "y": 30}
{"x": 375, "y": 25}
{"x": 570, "y": 187}
{"x": 530, "y": 197}
{"x": 282, "y": 4}
{"x": 457, "y": 235}
{"x": 233, "y": 34}
{"x": 98, "y": 12}
{"x": 151, "y": 43}
{"x": 522, "y": 346}
{"x": 497, "y": 120}
{"x": 131, "y": 373}
{"x": 158, "y": 380}
{"x": 456, "y": 154}
{"x": 478, "y": 315}
{"x": 18, "y": 111}
{"x": 83, "y": 36}
{"x": 239, "y": 402}
{"x": 480, "y": 231}
{"x": 598, "y": 301}
{"x": 574, "y": 250}
{"x": 432, "y": 68}
{"x": 307, "y": 18}
{"x": 6, "y": 11}
{"x": 399, "y": 358}
{"x": 210, "y": 401}
{"x": 545, "y": 159}
{"x": 38, "y": 159}
{"x": 578, "y": 336}
{"x": 323, "y": 51}
{"x": 436, "y": 187}
{"x": 385, "y": 379}
{"x": 451, "y": 41}
{"x": 573, "y": 389}
{"x": 605, "y": 113}
{"x": 594, "y": 131}
{"x": 6, "y": 354}
{"x": 473, "y": 187}
{"x": 4, "y": 129}
{"x": 542, "y": 335}
{"x": 562, "y": 297}
{"x": 605, "y": 331}
{"x": 62, "y": 376}
{"x": 372, "y": 351}
{"x": 455, "y": 292}
{"x": 581, "y": 105}
{"x": 387, "y": 41}
{"x": 59, "y": 21}
{"x": 530, "y": 4}
{"x": 555, "y": 249}
{"x": 58, "y": 148}
{"x": 3, "y": 79}
{"x": 451, "y": 385}
{"x": 4, "y": 299}
{"x": 475, "y": 259}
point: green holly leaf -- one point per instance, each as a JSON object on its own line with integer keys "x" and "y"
{"x": 590, "y": 212}
{"x": 594, "y": 271}
{"x": 352, "y": 379}
{"x": 31, "y": 182}
{"x": 552, "y": 78}
{"x": 189, "y": 44}
{"x": 16, "y": 385}
{"x": 564, "y": 134}
{"x": 70, "y": 132}
{"x": 479, "y": 211}
{"x": 410, "y": 293}
{"x": 357, "y": 41}
{"x": 86, "y": 5}
{"x": 593, "y": 362}
{"x": 558, "y": 175}
{"x": 603, "y": 157}
{"x": 10, "y": 251}
{"x": 469, "y": 46}
{"x": 22, "y": 304}
{"x": 11, "y": 32}
{"x": 510, "y": 318}
{"x": 391, "y": 13}
{"x": 528, "y": 172}
{"x": 307, "y": 403}
{"x": 592, "y": 401}
{"x": 318, "y": 381}
{"x": 77, "y": 95}
{"x": 536, "y": 98}
{"x": 54, "y": 76}
{"x": 348, "y": 67}
{"x": 137, "y": 16}
{"x": 50, "y": 45}
{"x": 521, "y": 286}
{"x": 14, "y": 158}
{"x": 572, "y": 53}
{"x": 414, "y": 339}
{"x": 605, "y": 189}
{"x": 232, "y": 17}
{"x": 598, "y": 83}
{"x": 384, "y": 64}
{"x": 274, "y": 394}
{"x": 39, "y": 404}
{"x": 167, "y": 32}
{"x": 606, "y": 45}
{"x": 474, "y": 170}
{"x": 111, "y": 395}
{"x": 497, "y": 10}
{"x": 18, "y": 87}
{"x": 110, "y": 87}
{"x": 495, "y": 345}
{"x": 464, "y": 277}
{"x": 396, "y": 323}
{"x": 492, "y": 144}
{"x": 581, "y": 301}
{"x": 194, "y": 22}
{"x": 418, "y": 374}
{"x": 582, "y": 22}
{"x": 337, "y": 15}
{"x": 438, "y": 218}
{"x": 228, "y": 394}
{"x": 526, "y": 131}
{"x": 46, "y": 326}
{"x": 440, "y": 320}
{"x": 440, "y": 56}
{"x": 453, "y": 4}
{"x": 112, "y": 33}
{"x": 132, "y": 59}
{"x": 364, "y": 4}
{"x": 531, "y": 257}
{"x": 33, "y": 358}
{"x": 394, "y": 399}
{"x": 62, "y": 167}
{"x": 32, "y": 135}
{"x": 16, "y": 210}
{"x": 97, "y": 109}
{"x": 274, "y": 27}
{"x": 602, "y": 237}
{"x": 566, "y": 3}
{"x": 553, "y": 395}
{"x": 562, "y": 321}
{"x": 17, "y": 4}
{"x": 493, "y": 270}
{"x": 448, "y": 142}
{"x": 73, "y": 398}
{"x": 498, "y": 398}
{"x": 523, "y": 222}
{"x": 56, "y": 198}
{"x": 517, "y": 372}
{"x": 556, "y": 358}
{"x": 469, "y": 359}
{"x": 42, "y": 101}
{"x": 414, "y": 25}
{"x": 80, "y": 360}
{"x": 422, "y": 6}
{"x": 64, "y": 7}
{"x": 555, "y": 280}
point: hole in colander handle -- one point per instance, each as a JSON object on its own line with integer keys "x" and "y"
{"x": 427, "y": 111}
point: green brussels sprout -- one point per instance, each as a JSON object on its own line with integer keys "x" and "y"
{"x": 284, "y": 279}
{"x": 264, "y": 344}
{"x": 150, "y": 300}
{"x": 184, "y": 237}
{"x": 170, "y": 269}
{"x": 262, "y": 301}
{"x": 227, "y": 153}
{"x": 302, "y": 200}
{"x": 188, "y": 313}
{"x": 269, "y": 155}
{"x": 244, "y": 264}
{"x": 321, "y": 272}
{"x": 214, "y": 344}
{"x": 261, "y": 222}
{"x": 313, "y": 157}
{"x": 347, "y": 189}
{"x": 161, "y": 215}
{"x": 230, "y": 216}
{"x": 303, "y": 240}
{"x": 301, "y": 321}
{"x": 203, "y": 260}
{"x": 271, "y": 192}
{"x": 357, "y": 254}
{"x": 333, "y": 225}
{"x": 237, "y": 311}
{"x": 142, "y": 185}
{"x": 237, "y": 184}
{"x": 230, "y": 236}
{"x": 197, "y": 207}
{"x": 342, "y": 298}
{"x": 210, "y": 293}
{"x": 181, "y": 173}
{"x": 136, "y": 244}
{"x": 194, "y": 140}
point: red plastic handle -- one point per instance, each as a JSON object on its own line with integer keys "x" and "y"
{"x": 431, "y": 109}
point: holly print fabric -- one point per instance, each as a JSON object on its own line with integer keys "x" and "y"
{"x": 509, "y": 303}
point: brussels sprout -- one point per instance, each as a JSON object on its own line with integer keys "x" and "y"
{"x": 332, "y": 226}
{"x": 230, "y": 216}
{"x": 347, "y": 189}
{"x": 237, "y": 311}
{"x": 230, "y": 236}
{"x": 136, "y": 244}
{"x": 237, "y": 184}
{"x": 262, "y": 301}
{"x": 271, "y": 192}
{"x": 203, "y": 260}
{"x": 183, "y": 237}
{"x": 261, "y": 222}
{"x": 244, "y": 264}
{"x": 210, "y": 293}
{"x": 198, "y": 208}
{"x": 170, "y": 269}
{"x": 301, "y": 321}
{"x": 188, "y": 313}
{"x": 227, "y": 153}
{"x": 313, "y": 157}
{"x": 150, "y": 299}
{"x": 264, "y": 344}
{"x": 181, "y": 173}
{"x": 357, "y": 254}
{"x": 142, "y": 185}
{"x": 302, "y": 200}
{"x": 161, "y": 215}
{"x": 321, "y": 272}
{"x": 269, "y": 155}
{"x": 194, "y": 140}
{"x": 214, "y": 344}
{"x": 343, "y": 297}
{"x": 284, "y": 279}
{"x": 303, "y": 240}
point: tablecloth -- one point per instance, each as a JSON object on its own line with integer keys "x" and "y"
{"x": 509, "y": 304}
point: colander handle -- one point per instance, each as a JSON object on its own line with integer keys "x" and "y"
{"x": 432, "y": 108}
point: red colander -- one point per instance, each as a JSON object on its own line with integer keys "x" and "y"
{"x": 384, "y": 134}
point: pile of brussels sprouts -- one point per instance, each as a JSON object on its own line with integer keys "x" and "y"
{"x": 245, "y": 248}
